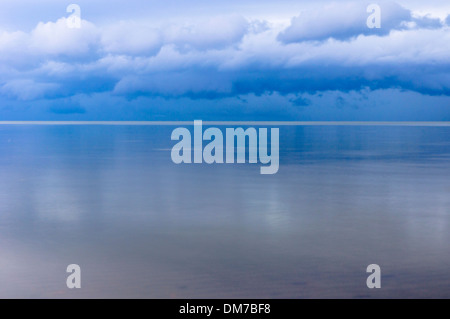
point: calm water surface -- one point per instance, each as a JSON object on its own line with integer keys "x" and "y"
{"x": 110, "y": 199}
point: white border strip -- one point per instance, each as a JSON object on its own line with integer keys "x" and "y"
{"x": 231, "y": 123}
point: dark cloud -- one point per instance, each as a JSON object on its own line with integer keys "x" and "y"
{"x": 428, "y": 22}
{"x": 225, "y": 58}
{"x": 300, "y": 101}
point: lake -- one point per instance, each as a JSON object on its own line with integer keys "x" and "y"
{"x": 110, "y": 199}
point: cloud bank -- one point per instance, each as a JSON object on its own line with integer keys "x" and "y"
{"x": 324, "y": 49}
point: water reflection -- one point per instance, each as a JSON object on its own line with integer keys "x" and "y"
{"x": 111, "y": 200}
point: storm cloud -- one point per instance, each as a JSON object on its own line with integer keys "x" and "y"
{"x": 325, "y": 48}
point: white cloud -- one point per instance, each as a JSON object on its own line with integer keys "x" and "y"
{"x": 11, "y": 40}
{"x": 56, "y": 68}
{"x": 128, "y": 37}
{"x": 27, "y": 89}
{"x": 342, "y": 20}
{"x": 222, "y": 54}
{"x": 213, "y": 33}
{"x": 57, "y": 38}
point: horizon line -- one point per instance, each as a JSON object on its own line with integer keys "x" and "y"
{"x": 244, "y": 123}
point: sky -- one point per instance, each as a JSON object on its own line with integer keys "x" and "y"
{"x": 225, "y": 60}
